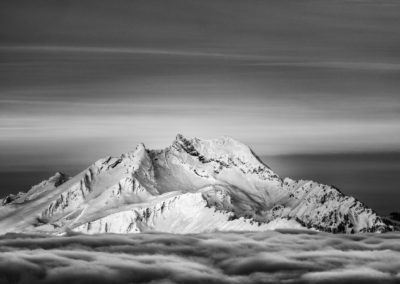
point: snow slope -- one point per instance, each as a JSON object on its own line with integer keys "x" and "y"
{"x": 191, "y": 186}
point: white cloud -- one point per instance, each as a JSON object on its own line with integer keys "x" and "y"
{"x": 269, "y": 257}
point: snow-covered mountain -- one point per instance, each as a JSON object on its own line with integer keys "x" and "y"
{"x": 191, "y": 186}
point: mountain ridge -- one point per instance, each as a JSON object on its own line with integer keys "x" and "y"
{"x": 226, "y": 185}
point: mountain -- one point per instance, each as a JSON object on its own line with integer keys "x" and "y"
{"x": 191, "y": 186}
{"x": 393, "y": 220}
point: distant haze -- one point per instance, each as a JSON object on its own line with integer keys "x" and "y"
{"x": 80, "y": 80}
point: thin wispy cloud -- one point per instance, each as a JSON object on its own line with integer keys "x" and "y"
{"x": 130, "y": 50}
{"x": 366, "y": 66}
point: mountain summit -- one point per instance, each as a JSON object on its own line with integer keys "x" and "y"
{"x": 192, "y": 186}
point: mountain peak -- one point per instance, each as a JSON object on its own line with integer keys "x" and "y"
{"x": 221, "y": 140}
{"x": 223, "y": 145}
{"x": 140, "y": 148}
{"x": 179, "y": 137}
{"x": 223, "y": 148}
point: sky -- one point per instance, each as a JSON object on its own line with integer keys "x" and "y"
{"x": 80, "y": 80}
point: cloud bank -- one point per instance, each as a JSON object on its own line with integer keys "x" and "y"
{"x": 268, "y": 257}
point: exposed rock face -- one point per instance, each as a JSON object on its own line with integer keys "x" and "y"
{"x": 191, "y": 186}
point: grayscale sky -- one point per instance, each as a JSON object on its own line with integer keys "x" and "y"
{"x": 83, "y": 79}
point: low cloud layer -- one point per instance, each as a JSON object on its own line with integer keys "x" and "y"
{"x": 269, "y": 257}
